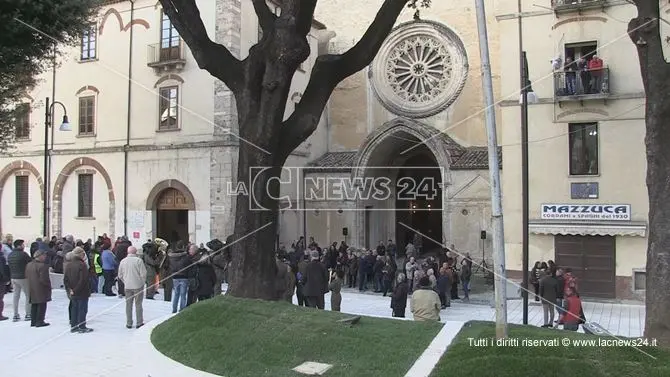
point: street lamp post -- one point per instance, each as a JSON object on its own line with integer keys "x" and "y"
{"x": 527, "y": 96}
{"x": 65, "y": 126}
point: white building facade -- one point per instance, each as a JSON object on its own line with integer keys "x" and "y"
{"x": 152, "y": 148}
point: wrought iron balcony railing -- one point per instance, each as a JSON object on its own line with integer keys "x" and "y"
{"x": 573, "y": 5}
{"x": 581, "y": 85}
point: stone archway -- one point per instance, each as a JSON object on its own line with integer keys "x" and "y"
{"x": 57, "y": 204}
{"x": 12, "y": 167}
{"x": 398, "y": 131}
{"x": 152, "y": 199}
{"x": 172, "y": 205}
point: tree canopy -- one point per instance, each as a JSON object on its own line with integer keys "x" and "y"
{"x": 30, "y": 29}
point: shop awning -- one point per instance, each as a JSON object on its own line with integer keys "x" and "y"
{"x": 632, "y": 228}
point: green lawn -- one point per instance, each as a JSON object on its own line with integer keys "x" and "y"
{"x": 545, "y": 361}
{"x": 238, "y": 338}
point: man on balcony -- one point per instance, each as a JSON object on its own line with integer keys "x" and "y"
{"x": 584, "y": 76}
{"x": 570, "y": 76}
{"x": 596, "y": 69}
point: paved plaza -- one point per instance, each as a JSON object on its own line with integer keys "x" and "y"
{"x": 112, "y": 350}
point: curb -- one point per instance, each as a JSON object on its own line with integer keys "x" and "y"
{"x": 425, "y": 364}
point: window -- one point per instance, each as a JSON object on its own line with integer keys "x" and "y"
{"x": 85, "y": 195}
{"x": 639, "y": 280}
{"x": 21, "y": 192}
{"x": 86, "y": 115}
{"x": 583, "y": 149}
{"x": 584, "y": 50}
{"x": 22, "y": 121}
{"x": 170, "y": 41}
{"x": 88, "y": 43}
{"x": 168, "y": 108}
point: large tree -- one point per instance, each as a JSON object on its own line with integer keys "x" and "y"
{"x": 645, "y": 32}
{"x": 260, "y": 84}
{"x": 29, "y": 31}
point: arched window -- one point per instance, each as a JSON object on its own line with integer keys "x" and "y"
{"x": 169, "y": 88}
{"x": 87, "y": 115}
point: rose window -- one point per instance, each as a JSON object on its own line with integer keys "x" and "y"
{"x": 424, "y": 67}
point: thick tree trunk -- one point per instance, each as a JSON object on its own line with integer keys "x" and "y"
{"x": 253, "y": 269}
{"x": 645, "y": 33}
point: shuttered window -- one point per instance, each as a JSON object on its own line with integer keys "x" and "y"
{"x": 87, "y": 115}
{"x": 21, "y": 192}
{"x": 85, "y": 195}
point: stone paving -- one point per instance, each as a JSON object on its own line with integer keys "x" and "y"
{"x": 112, "y": 350}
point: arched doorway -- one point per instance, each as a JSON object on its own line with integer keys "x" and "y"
{"x": 414, "y": 159}
{"x": 172, "y": 216}
{"x": 171, "y": 202}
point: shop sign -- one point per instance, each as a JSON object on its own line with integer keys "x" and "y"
{"x": 608, "y": 212}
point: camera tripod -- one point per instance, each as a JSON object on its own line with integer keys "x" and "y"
{"x": 487, "y": 271}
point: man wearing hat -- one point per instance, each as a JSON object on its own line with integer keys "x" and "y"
{"x": 78, "y": 286}
{"x": 39, "y": 287}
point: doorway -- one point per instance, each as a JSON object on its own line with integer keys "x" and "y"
{"x": 172, "y": 208}
{"x": 419, "y": 202}
{"x": 592, "y": 260}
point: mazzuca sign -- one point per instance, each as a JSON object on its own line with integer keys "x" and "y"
{"x": 610, "y": 212}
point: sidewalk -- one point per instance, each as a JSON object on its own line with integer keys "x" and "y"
{"x": 112, "y": 350}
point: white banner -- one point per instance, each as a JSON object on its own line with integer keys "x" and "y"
{"x": 608, "y": 212}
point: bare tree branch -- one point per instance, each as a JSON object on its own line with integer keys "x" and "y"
{"x": 329, "y": 70}
{"x": 305, "y": 117}
{"x": 212, "y": 57}
{"x": 361, "y": 55}
{"x": 305, "y": 16}
{"x": 265, "y": 16}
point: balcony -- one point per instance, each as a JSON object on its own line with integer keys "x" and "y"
{"x": 568, "y": 6}
{"x": 170, "y": 58}
{"x": 582, "y": 85}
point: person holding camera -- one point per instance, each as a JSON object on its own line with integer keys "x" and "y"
{"x": 150, "y": 255}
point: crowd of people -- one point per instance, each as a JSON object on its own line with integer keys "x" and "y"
{"x": 377, "y": 269}
{"x": 557, "y": 288}
{"x": 193, "y": 272}
{"x": 188, "y": 273}
{"x": 582, "y": 76}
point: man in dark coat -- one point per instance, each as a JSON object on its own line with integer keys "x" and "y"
{"x": 399, "y": 298}
{"x": 549, "y": 292}
{"x": 282, "y": 280}
{"x": 316, "y": 282}
{"x": 39, "y": 285}
{"x": 219, "y": 262}
{"x": 300, "y": 282}
{"x": 206, "y": 278}
{"x": 78, "y": 285}
{"x": 18, "y": 260}
{"x": 120, "y": 252}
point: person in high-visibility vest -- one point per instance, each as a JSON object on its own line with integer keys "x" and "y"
{"x": 95, "y": 253}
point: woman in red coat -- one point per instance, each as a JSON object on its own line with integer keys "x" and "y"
{"x": 573, "y": 311}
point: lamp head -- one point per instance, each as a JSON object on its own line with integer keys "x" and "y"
{"x": 531, "y": 97}
{"x": 65, "y": 126}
